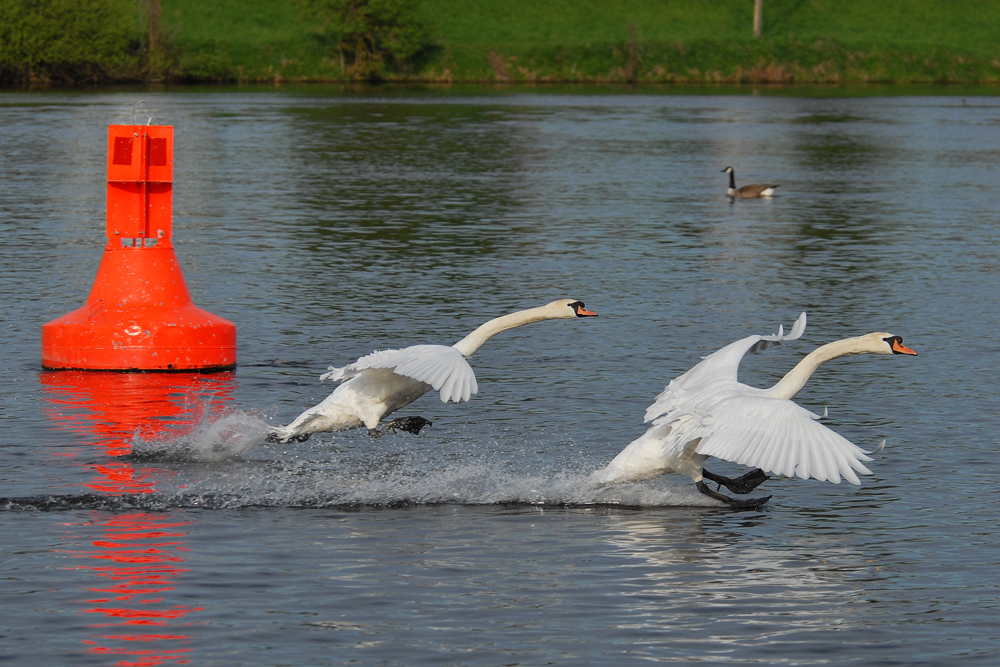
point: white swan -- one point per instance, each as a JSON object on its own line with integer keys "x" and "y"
{"x": 707, "y": 412}
{"x": 386, "y": 380}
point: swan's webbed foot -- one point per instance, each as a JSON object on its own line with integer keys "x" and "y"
{"x": 744, "y": 484}
{"x": 751, "y": 504}
{"x": 408, "y": 424}
{"x": 274, "y": 437}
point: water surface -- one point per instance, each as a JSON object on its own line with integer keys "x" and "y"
{"x": 327, "y": 224}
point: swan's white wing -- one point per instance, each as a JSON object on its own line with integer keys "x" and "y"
{"x": 441, "y": 366}
{"x": 711, "y": 374}
{"x": 716, "y": 373}
{"x": 377, "y": 359}
{"x": 780, "y": 437}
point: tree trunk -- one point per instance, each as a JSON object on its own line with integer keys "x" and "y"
{"x": 153, "y": 24}
{"x": 758, "y": 17}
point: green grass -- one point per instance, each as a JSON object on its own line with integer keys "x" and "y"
{"x": 691, "y": 40}
{"x": 676, "y": 41}
{"x": 254, "y": 40}
{"x": 962, "y": 25}
{"x": 526, "y": 23}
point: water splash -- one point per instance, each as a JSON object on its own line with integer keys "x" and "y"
{"x": 349, "y": 469}
{"x": 352, "y": 472}
{"x": 357, "y": 472}
{"x": 453, "y": 488}
{"x": 212, "y": 439}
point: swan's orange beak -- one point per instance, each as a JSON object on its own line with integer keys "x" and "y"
{"x": 583, "y": 312}
{"x": 899, "y": 348}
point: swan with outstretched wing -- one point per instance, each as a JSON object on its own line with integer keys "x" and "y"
{"x": 384, "y": 381}
{"x": 707, "y": 412}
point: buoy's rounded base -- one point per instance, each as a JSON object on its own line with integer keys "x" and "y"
{"x": 139, "y": 317}
{"x": 205, "y": 370}
{"x": 186, "y": 339}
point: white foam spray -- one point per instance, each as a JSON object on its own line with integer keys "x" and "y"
{"x": 213, "y": 438}
{"x": 353, "y": 470}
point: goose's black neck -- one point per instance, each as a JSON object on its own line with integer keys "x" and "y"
{"x": 732, "y": 180}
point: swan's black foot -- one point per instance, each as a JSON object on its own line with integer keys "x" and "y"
{"x": 745, "y": 484}
{"x": 408, "y": 424}
{"x": 273, "y": 437}
{"x": 751, "y": 504}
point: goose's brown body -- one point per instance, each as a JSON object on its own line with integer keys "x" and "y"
{"x": 747, "y": 191}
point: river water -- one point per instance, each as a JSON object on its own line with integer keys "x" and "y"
{"x": 327, "y": 223}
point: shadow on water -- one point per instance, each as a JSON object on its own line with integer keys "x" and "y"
{"x": 425, "y": 182}
{"x": 837, "y": 238}
{"x": 822, "y": 118}
{"x": 834, "y": 153}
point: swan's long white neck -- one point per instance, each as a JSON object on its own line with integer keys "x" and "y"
{"x": 468, "y": 345}
{"x": 796, "y": 378}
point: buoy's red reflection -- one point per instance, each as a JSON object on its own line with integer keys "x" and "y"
{"x": 136, "y": 556}
{"x": 137, "y": 561}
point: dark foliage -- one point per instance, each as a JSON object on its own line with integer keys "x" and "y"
{"x": 69, "y": 41}
{"x": 372, "y": 37}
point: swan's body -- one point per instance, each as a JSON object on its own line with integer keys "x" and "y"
{"x": 708, "y": 412}
{"x": 747, "y": 191}
{"x": 384, "y": 381}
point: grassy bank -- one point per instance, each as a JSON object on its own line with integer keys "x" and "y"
{"x": 676, "y": 41}
{"x": 681, "y": 41}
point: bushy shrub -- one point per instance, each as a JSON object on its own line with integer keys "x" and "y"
{"x": 372, "y": 36}
{"x": 71, "y": 41}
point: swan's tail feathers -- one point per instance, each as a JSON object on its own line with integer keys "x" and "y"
{"x": 878, "y": 449}
{"x": 297, "y": 431}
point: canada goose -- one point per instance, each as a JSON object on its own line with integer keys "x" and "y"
{"x": 708, "y": 412}
{"x": 386, "y": 380}
{"x": 747, "y": 191}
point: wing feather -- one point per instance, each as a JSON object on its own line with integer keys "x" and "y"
{"x": 792, "y": 453}
{"x": 441, "y": 366}
{"x": 769, "y": 455}
{"x": 779, "y": 437}
{"x": 716, "y": 373}
{"x": 798, "y": 328}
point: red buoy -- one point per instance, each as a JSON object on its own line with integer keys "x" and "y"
{"x": 139, "y": 315}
